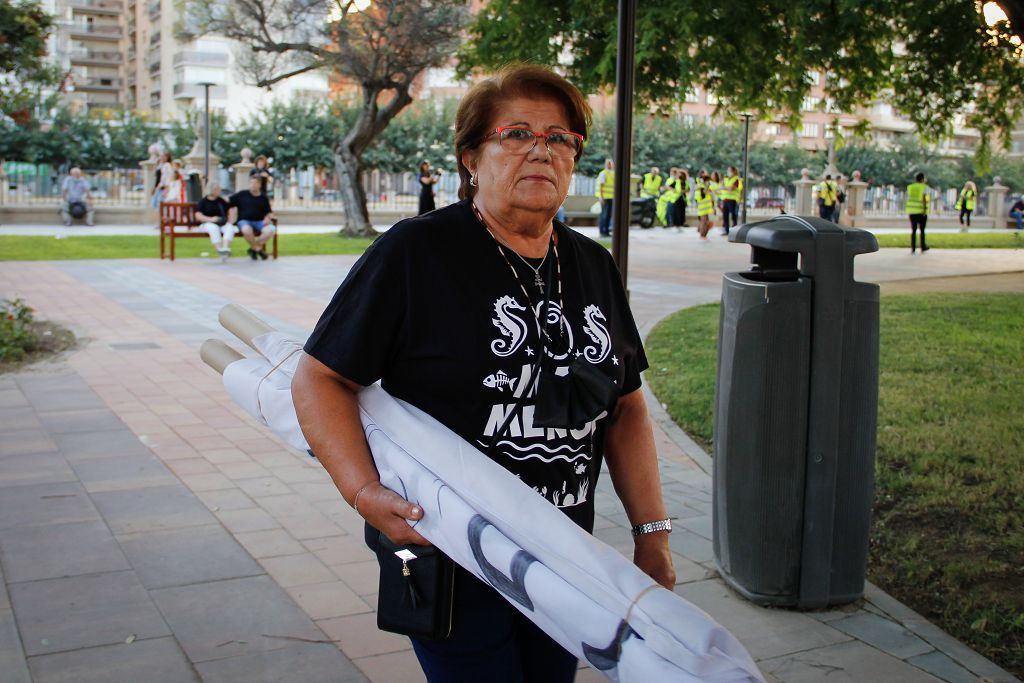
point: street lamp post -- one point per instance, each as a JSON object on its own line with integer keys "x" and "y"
{"x": 746, "y": 165}
{"x": 206, "y": 132}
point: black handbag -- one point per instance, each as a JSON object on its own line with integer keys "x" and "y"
{"x": 574, "y": 399}
{"x": 416, "y": 590}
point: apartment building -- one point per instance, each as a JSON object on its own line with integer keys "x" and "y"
{"x": 124, "y": 53}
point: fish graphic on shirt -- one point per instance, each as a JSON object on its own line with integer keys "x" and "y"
{"x": 499, "y": 381}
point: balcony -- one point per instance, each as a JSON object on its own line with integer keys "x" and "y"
{"x": 194, "y": 91}
{"x": 154, "y": 9}
{"x": 154, "y": 64}
{"x": 87, "y": 30}
{"x": 98, "y": 84}
{"x": 199, "y": 58}
{"x": 154, "y": 39}
{"x": 95, "y": 57}
{"x": 110, "y": 8}
{"x": 131, "y": 54}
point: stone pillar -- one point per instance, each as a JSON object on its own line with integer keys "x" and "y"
{"x": 242, "y": 169}
{"x": 804, "y": 189}
{"x": 854, "y": 206}
{"x": 148, "y": 180}
{"x": 293, "y": 187}
{"x": 997, "y": 202}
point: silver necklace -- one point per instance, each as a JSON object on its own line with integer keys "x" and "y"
{"x": 538, "y": 281}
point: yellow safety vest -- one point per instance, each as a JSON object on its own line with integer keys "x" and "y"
{"x": 732, "y": 194}
{"x": 716, "y": 191}
{"x": 827, "y": 192}
{"x": 675, "y": 189}
{"x": 917, "y": 198}
{"x": 652, "y": 184}
{"x": 967, "y": 197}
{"x": 606, "y": 189}
{"x": 705, "y": 200}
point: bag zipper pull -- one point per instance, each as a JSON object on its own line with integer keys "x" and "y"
{"x": 406, "y": 556}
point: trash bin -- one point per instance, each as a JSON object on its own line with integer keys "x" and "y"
{"x": 795, "y": 415}
{"x": 194, "y": 186}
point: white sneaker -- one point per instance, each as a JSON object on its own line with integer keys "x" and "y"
{"x": 225, "y": 254}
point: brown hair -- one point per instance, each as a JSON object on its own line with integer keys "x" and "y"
{"x": 478, "y": 108}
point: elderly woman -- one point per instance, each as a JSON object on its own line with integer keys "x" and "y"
{"x": 459, "y": 312}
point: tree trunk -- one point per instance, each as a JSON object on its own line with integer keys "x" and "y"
{"x": 353, "y": 199}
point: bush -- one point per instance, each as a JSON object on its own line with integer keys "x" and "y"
{"x": 17, "y": 337}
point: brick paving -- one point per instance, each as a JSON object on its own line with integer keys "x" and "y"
{"x": 151, "y": 531}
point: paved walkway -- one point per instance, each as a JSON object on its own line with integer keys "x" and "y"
{"x": 150, "y": 531}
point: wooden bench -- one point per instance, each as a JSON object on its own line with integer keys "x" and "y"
{"x": 178, "y": 219}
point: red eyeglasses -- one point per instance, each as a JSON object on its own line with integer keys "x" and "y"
{"x": 519, "y": 140}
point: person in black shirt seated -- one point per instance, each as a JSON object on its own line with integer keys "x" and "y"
{"x": 251, "y": 212}
{"x": 212, "y": 210}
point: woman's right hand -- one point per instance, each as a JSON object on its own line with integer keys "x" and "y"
{"x": 388, "y": 512}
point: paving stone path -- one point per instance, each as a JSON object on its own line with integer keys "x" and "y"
{"x": 150, "y": 531}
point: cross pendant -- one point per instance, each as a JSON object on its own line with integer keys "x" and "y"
{"x": 538, "y": 281}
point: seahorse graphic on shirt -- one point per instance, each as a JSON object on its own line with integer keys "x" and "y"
{"x": 511, "y": 326}
{"x": 593, "y": 318}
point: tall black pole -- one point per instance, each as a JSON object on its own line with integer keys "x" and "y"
{"x": 746, "y": 167}
{"x": 206, "y": 133}
{"x": 624, "y": 77}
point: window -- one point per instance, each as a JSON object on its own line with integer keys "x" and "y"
{"x": 809, "y": 130}
{"x": 712, "y": 99}
{"x": 810, "y": 103}
{"x": 692, "y": 96}
{"x": 772, "y": 129}
{"x": 814, "y": 77}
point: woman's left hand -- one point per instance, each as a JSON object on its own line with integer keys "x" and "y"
{"x": 652, "y": 555}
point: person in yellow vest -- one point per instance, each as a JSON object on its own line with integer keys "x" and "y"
{"x": 651, "y": 185}
{"x": 679, "y": 218}
{"x": 704, "y": 197}
{"x": 605, "y": 192}
{"x": 674, "y": 192}
{"x": 732, "y": 189}
{"x": 828, "y": 190}
{"x": 968, "y": 196}
{"x": 918, "y": 199}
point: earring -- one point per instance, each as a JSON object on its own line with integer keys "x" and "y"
{"x": 472, "y": 181}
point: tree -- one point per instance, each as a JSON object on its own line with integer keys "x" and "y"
{"x": 24, "y": 27}
{"x": 932, "y": 59}
{"x": 381, "y": 49}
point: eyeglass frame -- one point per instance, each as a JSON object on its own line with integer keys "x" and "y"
{"x": 539, "y": 136}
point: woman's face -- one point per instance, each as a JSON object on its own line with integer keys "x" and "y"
{"x": 535, "y": 181}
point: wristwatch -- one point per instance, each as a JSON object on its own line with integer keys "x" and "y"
{"x": 649, "y": 527}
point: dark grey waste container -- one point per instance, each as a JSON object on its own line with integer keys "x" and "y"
{"x": 194, "y": 187}
{"x": 795, "y": 415}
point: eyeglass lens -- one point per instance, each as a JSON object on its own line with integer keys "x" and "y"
{"x": 522, "y": 140}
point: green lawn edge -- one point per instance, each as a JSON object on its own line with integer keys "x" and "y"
{"x": 947, "y": 533}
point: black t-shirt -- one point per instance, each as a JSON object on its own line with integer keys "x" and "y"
{"x": 250, "y": 208}
{"x": 434, "y": 312}
{"x": 1018, "y": 206}
{"x": 216, "y": 208}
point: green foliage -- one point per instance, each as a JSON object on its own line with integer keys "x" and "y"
{"x": 755, "y": 56}
{"x": 24, "y": 27}
{"x": 17, "y": 337}
{"x": 948, "y": 530}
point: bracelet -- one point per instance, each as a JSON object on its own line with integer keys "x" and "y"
{"x": 651, "y": 527}
{"x": 355, "y": 501}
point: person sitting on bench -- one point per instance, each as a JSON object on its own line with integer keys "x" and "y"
{"x": 250, "y": 210}
{"x": 212, "y": 214}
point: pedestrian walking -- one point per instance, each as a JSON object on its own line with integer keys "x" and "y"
{"x": 705, "y": 200}
{"x": 966, "y": 202}
{"x": 918, "y": 200}
{"x": 827, "y": 191}
{"x": 732, "y": 189}
{"x": 679, "y": 208}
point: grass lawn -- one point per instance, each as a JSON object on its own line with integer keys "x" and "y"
{"x": 948, "y": 529}
{"x": 1010, "y": 239}
{"x": 41, "y": 248}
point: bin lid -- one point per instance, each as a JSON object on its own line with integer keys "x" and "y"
{"x": 801, "y": 234}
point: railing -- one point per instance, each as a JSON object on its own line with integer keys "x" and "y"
{"x": 154, "y": 9}
{"x": 108, "y": 5}
{"x": 98, "y": 82}
{"x": 99, "y": 30}
{"x": 95, "y": 56}
{"x": 892, "y": 201}
{"x": 201, "y": 58}
{"x": 194, "y": 90}
{"x": 41, "y": 185}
